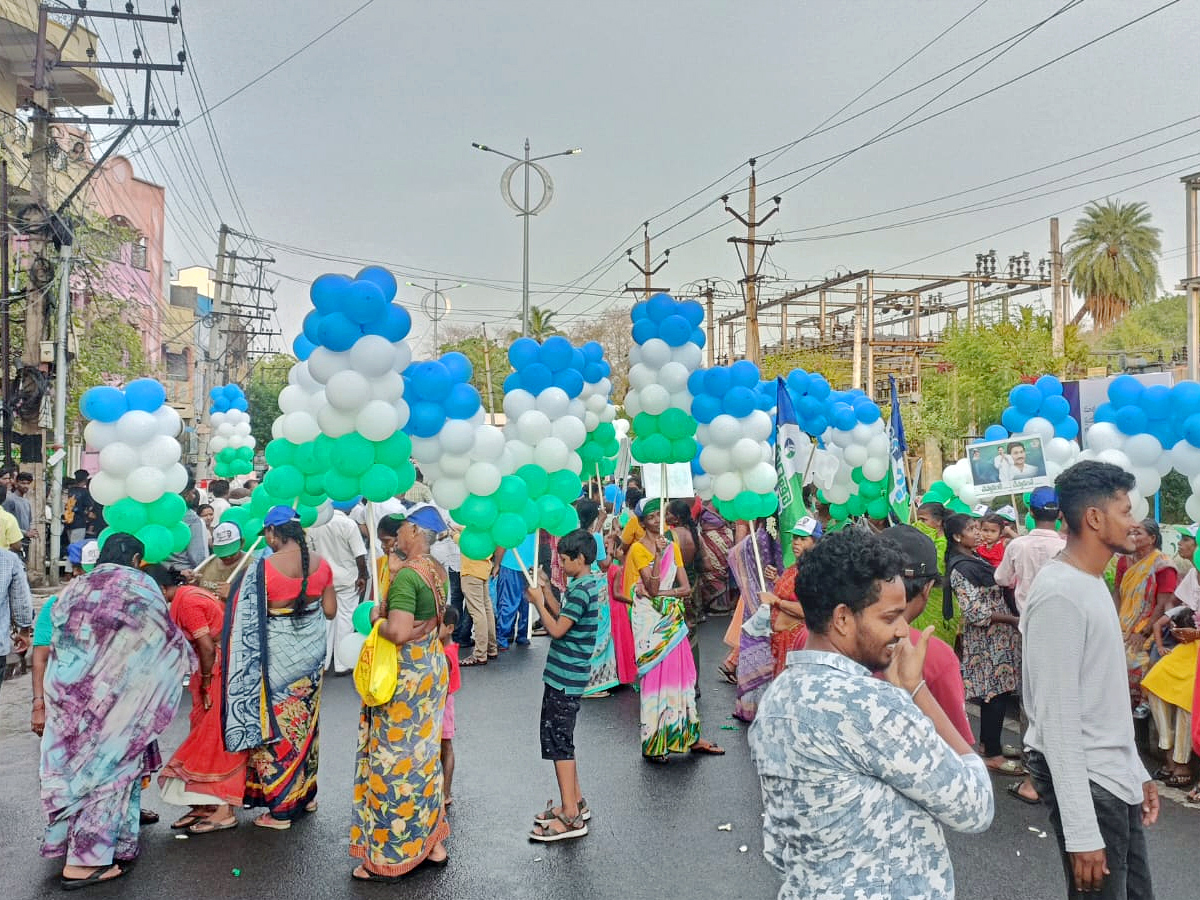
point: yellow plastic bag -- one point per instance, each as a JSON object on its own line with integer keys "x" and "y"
{"x": 376, "y": 673}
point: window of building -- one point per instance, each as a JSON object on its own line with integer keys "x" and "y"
{"x": 177, "y": 365}
{"x": 137, "y": 256}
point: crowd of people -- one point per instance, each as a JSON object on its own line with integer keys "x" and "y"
{"x": 828, "y": 651}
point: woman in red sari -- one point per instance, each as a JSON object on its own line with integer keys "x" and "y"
{"x": 788, "y": 631}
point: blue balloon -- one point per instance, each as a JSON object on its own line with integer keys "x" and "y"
{"x": 363, "y": 302}
{"x": 512, "y": 383}
{"x": 1131, "y": 419}
{"x": 1014, "y": 420}
{"x": 817, "y": 426}
{"x": 147, "y": 394}
{"x": 593, "y": 372}
{"x": 697, "y": 469}
{"x": 698, "y": 337}
{"x": 593, "y": 351}
{"x": 717, "y": 381}
{"x": 1055, "y": 408}
{"x": 381, "y": 278}
{"x": 692, "y": 311}
{"x": 1191, "y": 430}
{"x": 338, "y": 333}
{"x": 695, "y": 382}
{"x": 458, "y": 366}
{"x": 103, "y": 404}
{"x": 809, "y": 407}
{"x": 240, "y": 404}
{"x": 995, "y": 433}
{"x": 432, "y": 381}
{"x": 555, "y": 354}
{"x": 818, "y": 387}
{"x": 842, "y": 416}
{"x": 675, "y": 331}
{"x": 312, "y": 326}
{"x": 660, "y": 306}
{"x": 232, "y": 391}
{"x": 1026, "y": 398}
{"x": 705, "y": 408}
{"x": 1049, "y": 386}
{"x": 765, "y": 402}
{"x": 797, "y": 382}
{"x": 536, "y": 377}
{"x": 1156, "y": 401}
{"x": 867, "y": 412}
{"x": 739, "y": 401}
{"x": 578, "y": 360}
{"x": 326, "y": 292}
{"x": 1068, "y": 428}
{"x": 639, "y": 311}
{"x": 605, "y": 369}
{"x": 523, "y": 352}
{"x": 1185, "y": 397}
{"x": 1105, "y": 412}
{"x": 425, "y": 419}
{"x": 216, "y": 393}
{"x": 1125, "y": 390}
{"x": 644, "y": 329}
{"x": 570, "y": 380}
{"x": 395, "y": 324}
{"x": 302, "y": 347}
{"x": 462, "y": 401}
{"x": 744, "y": 373}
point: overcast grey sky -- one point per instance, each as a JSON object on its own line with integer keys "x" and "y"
{"x": 361, "y": 146}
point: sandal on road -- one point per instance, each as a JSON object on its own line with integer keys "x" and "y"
{"x": 266, "y": 820}
{"x": 1008, "y": 767}
{"x": 727, "y": 675}
{"x": 187, "y": 821}
{"x": 550, "y": 813}
{"x": 368, "y": 875}
{"x": 1178, "y": 780}
{"x": 1193, "y": 796}
{"x": 97, "y": 877}
{"x": 1015, "y": 790}
{"x": 707, "y": 748}
{"x": 208, "y": 826}
{"x": 568, "y": 829}
{"x": 1011, "y": 752}
{"x": 471, "y": 661}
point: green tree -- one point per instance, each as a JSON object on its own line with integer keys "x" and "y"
{"x": 837, "y": 370}
{"x": 268, "y": 377}
{"x": 110, "y": 351}
{"x": 613, "y": 331}
{"x": 472, "y": 347}
{"x": 1158, "y": 327}
{"x": 1113, "y": 260}
{"x": 541, "y": 325}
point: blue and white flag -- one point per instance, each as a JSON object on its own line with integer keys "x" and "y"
{"x": 898, "y": 495}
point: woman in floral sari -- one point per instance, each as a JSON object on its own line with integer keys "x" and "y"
{"x": 1145, "y": 582}
{"x": 755, "y": 664}
{"x": 656, "y": 582}
{"x": 274, "y": 642}
{"x": 112, "y": 685}
{"x": 716, "y": 541}
{"x": 399, "y": 817}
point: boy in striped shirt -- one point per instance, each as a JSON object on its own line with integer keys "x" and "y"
{"x": 572, "y": 628}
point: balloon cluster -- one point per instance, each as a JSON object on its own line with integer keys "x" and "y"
{"x": 667, "y": 343}
{"x": 231, "y": 445}
{"x": 456, "y": 451}
{"x": 140, "y": 477}
{"x": 542, "y": 404}
{"x": 858, "y": 439}
{"x": 734, "y": 434}
{"x": 1039, "y": 408}
{"x": 343, "y": 410}
{"x": 810, "y": 394}
{"x": 598, "y": 452}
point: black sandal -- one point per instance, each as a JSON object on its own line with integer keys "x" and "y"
{"x": 659, "y": 759}
{"x": 471, "y": 661}
{"x": 1015, "y": 790}
{"x": 727, "y": 675}
{"x": 379, "y": 879}
{"x": 75, "y": 884}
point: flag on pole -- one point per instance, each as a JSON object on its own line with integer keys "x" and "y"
{"x": 793, "y": 452}
{"x": 898, "y": 495}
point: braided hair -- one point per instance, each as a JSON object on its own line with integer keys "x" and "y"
{"x": 294, "y": 531}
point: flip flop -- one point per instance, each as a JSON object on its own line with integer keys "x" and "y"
{"x": 660, "y": 759}
{"x": 75, "y": 884}
{"x": 1011, "y": 752}
{"x": 1178, "y": 781}
{"x": 727, "y": 675}
{"x": 147, "y": 817}
{"x": 471, "y": 661}
{"x": 1015, "y": 790}
{"x": 208, "y": 826}
{"x": 1009, "y": 767}
{"x": 372, "y": 876}
{"x": 709, "y": 750}
{"x": 185, "y": 822}
{"x": 265, "y": 821}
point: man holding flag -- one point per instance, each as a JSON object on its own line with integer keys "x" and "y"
{"x": 898, "y": 493}
{"x": 793, "y": 457}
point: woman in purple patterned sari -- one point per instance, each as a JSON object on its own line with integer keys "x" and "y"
{"x": 755, "y": 662}
{"x": 113, "y": 683}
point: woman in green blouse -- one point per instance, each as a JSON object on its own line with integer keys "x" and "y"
{"x": 399, "y": 820}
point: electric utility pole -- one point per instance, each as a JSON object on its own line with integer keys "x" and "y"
{"x": 750, "y": 267}
{"x": 645, "y": 268}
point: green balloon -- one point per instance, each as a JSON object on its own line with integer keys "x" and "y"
{"x": 512, "y": 495}
{"x": 307, "y": 499}
{"x": 550, "y": 508}
{"x": 246, "y": 453}
{"x": 657, "y": 448}
{"x": 261, "y": 501}
{"x": 476, "y": 543}
{"x": 393, "y": 451}
{"x": 476, "y": 512}
{"x": 508, "y": 530}
{"x": 637, "y": 447}
{"x": 958, "y": 506}
{"x": 604, "y": 432}
{"x": 531, "y": 517}
{"x": 104, "y": 535}
{"x": 564, "y": 484}
{"x": 871, "y": 489}
{"x": 253, "y": 529}
{"x": 285, "y": 481}
{"x": 166, "y": 510}
{"x": 128, "y": 516}
{"x": 340, "y": 486}
{"x": 535, "y": 478}
{"x": 280, "y": 452}
{"x": 645, "y": 424}
{"x": 157, "y": 541}
{"x": 857, "y": 505}
{"x": 308, "y": 515}
{"x": 567, "y": 521}
{"x": 307, "y": 460}
{"x": 379, "y": 483}
{"x": 314, "y": 484}
{"x": 683, "y": 449}
{"x": 324, "y": 447}
{"x": 353, "y": 454}
{"x": 839, "y": 511}
{"x": 236, "y": 514}
{"x": 878, "y": 508}
{"x": 181, "y": 536}
{"x": 674, "y": 423}
{"x": 362, "y": 617}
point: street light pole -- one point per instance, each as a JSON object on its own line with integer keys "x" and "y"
{"x": 435, "y": 304}
{"x": 525, "y": 210}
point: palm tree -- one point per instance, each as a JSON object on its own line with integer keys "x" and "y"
{"x": 541, "y": 325}
{"x": 1113, "y": 263}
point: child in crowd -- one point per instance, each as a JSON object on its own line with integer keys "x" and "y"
{"x": 445, "y": 633}
{"x": 572, "y": 628}
{"x": 992, "y": 541}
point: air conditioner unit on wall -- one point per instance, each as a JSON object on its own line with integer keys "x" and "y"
{"x": 48, "y": 349}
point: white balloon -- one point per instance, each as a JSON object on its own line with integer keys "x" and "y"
{"x": 348, "y": 649}
{"x": 118, "y": 459}
{"x": 449, "y": 493}
{"x": 1141, "y": 506}
{"x": 656, "y": 353}
{"x": 875, "y": 468}
{"x": 482, "y": 479}
{"x": 292, "y": 398}
{"x": 591, "y": 421}
{"x": 553, "y": 402}
{"x": 347, "y": 391}
{"x": 689, "y": 355}
{"x": 758, "y": 425}
{"x": 388, "y": 387}
{"x": 99, "y": 435}
{"x": 1104, "y": 436}
{"x": 517, "y": 403}
{"x": 724, "y": 430}
{"x": 335, "y": 422}
{"x": 682, "y": 400}
{"x": 277, "y": 428}
{"x": 1143, "y": 450}
{"x": 862, "y": 433}
{"x": 633, "y": 403}
{"x": 837, "y": 493}
{"x": 323, "y": 364}
{"x": 324, "y": 513}
{"x": 702, "y": 485}
{"x": 673, "y": 376}
{"x": 301, "y": 375}
{"x": 426, "y": 449}
{"x": 457, "y": 437}
{"x": 841, "y": 438}
{"x": 373, "y": 355}
{"x": 551, "y": 454}
{"x": 225, "y": 430}
{"x": 621, "y": 427}
{"x": 745, "y": 454}
{"x": 879, "y": 446}
{"x": 136, "y": 427}
{"x": 401, "y": 408}
{"x": 761, "y": 479}
{"x": 715, "y": 460}
{"x": 242, "y": 428}
{"x": 534, "y": 426}
{"x": 1148, "y": 480}
{"x": 1043, "y": 428}
{"x": 655, "y": 399}
{"x": 1192, "y": 507}
{"x": 1184, "y": 457}
{"x": 727, "y": 485}
{"x": 574, "y": 463}
{"x": 1117, "y": 458}
{"x": 175, "y": 479}
{"x": 570, "y": 431}
{"x": 1059, "y": 450}
{"x": 952, "y": 475}
{"x": 160, "y": 452}
{"x": 403, "y": 355}
{"x": 217, "y": 419}
{"x": 107, "y": 489}
{"x": 855, "y": 455}
{"x": 145, "y": 484}
{"x": 454, "y": 465}
{"x": 299, "y": 427}
{"x": 515, "y": 455}
{"x": 377, "y": 421}
{"x": 488, "y": 443}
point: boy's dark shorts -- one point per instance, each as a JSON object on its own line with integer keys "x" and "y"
{"x": 558, "y": 724}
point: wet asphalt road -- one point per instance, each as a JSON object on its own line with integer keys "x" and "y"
{"x": 653, "y": 835}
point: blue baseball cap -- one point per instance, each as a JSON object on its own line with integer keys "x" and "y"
{"x": 280, "y": 515}
{"x": 426, "y": 515}
{"x": 1044, "y": 498}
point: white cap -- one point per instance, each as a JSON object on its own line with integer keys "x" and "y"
{"x": 89, "y": 553}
